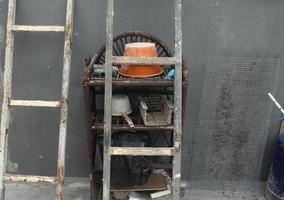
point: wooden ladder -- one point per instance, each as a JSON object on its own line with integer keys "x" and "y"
{"x": 174, "y": 151}
{"x": 8, "y": 102}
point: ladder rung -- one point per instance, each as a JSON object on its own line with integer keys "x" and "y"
{"x": 142, "y": 151}
{"x": 35, "y": 103}
{"x": 30, "y": 179}
{"x": 120, "y": 60}
{"x": 38, "y": 28}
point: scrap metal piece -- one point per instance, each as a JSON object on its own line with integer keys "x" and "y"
{"x": 276, "y": 103}
{"x": 156, "y": 110}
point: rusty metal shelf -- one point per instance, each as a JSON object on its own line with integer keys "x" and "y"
{"x": 135, "y": 128}
{"x": 130, "y": 82}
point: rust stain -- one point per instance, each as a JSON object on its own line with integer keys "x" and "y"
{"x": 64, "y": 100}
{"x": 67, "y": 29}
{"x": 9, "y": 100}
{"x": 59, "y": 195}
{"x": 60, "y": 174}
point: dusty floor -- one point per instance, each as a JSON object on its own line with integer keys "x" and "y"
{"x": 78, "y": 189}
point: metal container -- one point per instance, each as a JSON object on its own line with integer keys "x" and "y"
{"x": 120, "y": 104}
{"x": 156, "y": 110}
{"x": 121, "y": 107}
{"x": 275, "y": 184}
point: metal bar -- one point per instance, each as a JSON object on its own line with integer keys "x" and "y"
{"x": 169, "y": 91}
{"x": 108, "y": 100}
{"x": 142, "y": 151}
{"x": 176, "y": 177}
{"x": 144, "y": 60}
{"x": 88, "y": 98}
{"x": 65, "y": 91}
{"x": 35, "y": 103}
{"x": 161, "y": 165}
{"x": 276, "y": 103}
{"x": 134, "y": 82}
{"x": 30, "y": 179}
{"x": 32, "y": 28}
{"x": 7, "y": 92}
{"x": 135, "y": 128}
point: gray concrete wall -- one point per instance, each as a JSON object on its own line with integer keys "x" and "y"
{"x": 211, "y": 27}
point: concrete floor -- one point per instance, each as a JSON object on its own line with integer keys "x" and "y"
{"x": 78, "y": 189}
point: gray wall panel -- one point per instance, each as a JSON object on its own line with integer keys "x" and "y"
{"x": 211, "y": 27}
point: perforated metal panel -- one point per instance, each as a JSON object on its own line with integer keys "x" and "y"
{"x": 224, "y": 148}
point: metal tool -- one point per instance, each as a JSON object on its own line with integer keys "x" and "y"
{"x": 121, "y": 107}
{"x": 276, "y": 103}
{"x": 9, "y": 103}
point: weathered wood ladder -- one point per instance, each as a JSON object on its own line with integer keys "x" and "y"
{"x": 8, "y": 102}
{"x": 174, "y": 151}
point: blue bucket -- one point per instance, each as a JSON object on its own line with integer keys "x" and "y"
{"x": 275, "y": 185}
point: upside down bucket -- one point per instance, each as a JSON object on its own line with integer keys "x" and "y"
{"x": 140, "y": 49}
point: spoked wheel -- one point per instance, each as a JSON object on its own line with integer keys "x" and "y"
{"x": 129, "y": 37}
{"x": 118, "y": 49}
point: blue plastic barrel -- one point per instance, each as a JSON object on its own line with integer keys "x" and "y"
{"x": 275, "y": 186}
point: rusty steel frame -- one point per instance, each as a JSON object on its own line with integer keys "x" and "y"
{"x": 108, "y": 101}
{"x": 176, "y": 174}
{"x": 138, "y": 82}
{"x": 174, "y": 151}
{"x": 62, "y": 104}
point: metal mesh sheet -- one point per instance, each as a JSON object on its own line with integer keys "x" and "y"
{"x": 224, "y": 148}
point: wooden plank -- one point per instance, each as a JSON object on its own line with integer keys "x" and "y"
{"x": 155, "y": 182}
{"x": 30, "y": 179}
{"x": 32, "y": 28}
{"x": 35, "y": 103}
{"x": 142, "y": 151}
{"x": 122, "y": 60}
{"x": 108, "y": 101}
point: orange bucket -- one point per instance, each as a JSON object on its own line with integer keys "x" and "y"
{"x": 140, "y": 49}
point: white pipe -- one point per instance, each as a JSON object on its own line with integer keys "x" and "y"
{"x": 276, "y": 103}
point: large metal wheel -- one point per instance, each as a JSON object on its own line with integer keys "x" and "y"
{"x": 118, "y": 50}
{"x": 128, "y": 37}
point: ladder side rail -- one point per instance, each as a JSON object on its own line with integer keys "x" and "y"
{"x": 108, "y": 100}
{"x": 64, "y": 104}
{"x": 176, "y": 177}
{"x": 5, "y": 116}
